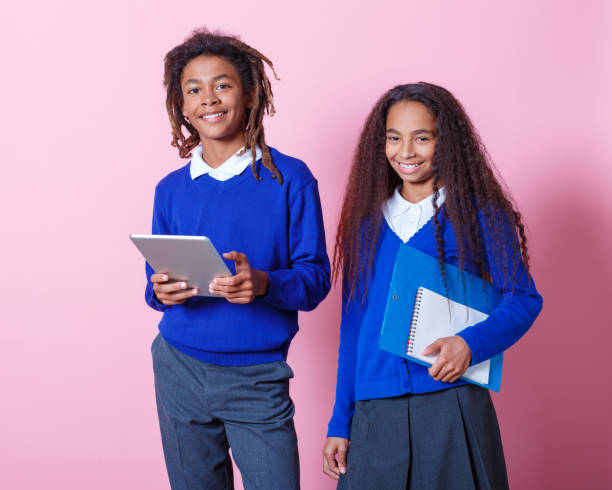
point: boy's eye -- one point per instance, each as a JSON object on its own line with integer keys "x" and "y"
{"x": 193, "y": 91}
{"x": 222, "y": 86}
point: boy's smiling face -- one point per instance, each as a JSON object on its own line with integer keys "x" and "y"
{"x": 214, "y": 101}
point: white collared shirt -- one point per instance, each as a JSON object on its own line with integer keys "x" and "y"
{"x": 406, "y": 218}
{"x": 234, "y": 165}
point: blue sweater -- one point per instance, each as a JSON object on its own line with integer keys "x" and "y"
{"x": 366, "y": 372}
{"x": 278, "y": 227}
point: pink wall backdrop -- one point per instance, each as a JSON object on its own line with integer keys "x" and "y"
{"x": 85, "y": 139}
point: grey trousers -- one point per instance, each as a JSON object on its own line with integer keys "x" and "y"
{"x": 204, "y": 410}
{"x": 445, "y": 440}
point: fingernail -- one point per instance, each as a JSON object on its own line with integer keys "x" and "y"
{"x": 164, "y": 278}
{"x": 215, "y": 281}
{"x": 343, "y": 470}
{"x": 210, "y": 289}
{"x": 194, "y": 291}
{"x": 183, "y": 285}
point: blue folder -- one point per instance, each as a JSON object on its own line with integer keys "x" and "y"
{"x": 413, "y": 269}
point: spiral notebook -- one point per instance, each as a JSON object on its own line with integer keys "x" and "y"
{"x": 464, "y": 293}
{"x": 435, "y": 316}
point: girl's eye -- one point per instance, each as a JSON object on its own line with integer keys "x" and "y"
{"x": 193, "y": 91}
{"x": 222, "y": 86}
{"x": 422, "y": 139}
{"x": 392, "y": 138}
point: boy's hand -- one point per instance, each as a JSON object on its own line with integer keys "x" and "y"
{"x": 171, "y": 293}
{"x": 245, "y": 285}
{"x": 334, "y": 456}
{"x": 455, "y": 357}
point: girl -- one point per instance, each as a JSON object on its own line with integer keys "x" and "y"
{"x": 221, "y": 379}
{"x": 421, "y": 176}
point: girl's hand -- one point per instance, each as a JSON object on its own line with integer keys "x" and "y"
{"x": 334, "y": 456}
{"x": 455, "y": 357}
{"x": 244, "y": 286}
{"x": 171, "y": 293}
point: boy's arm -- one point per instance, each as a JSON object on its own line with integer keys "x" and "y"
{"x": 159, "y": 227}
{"x": 306, "y": 282}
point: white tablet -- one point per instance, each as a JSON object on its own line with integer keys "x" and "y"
{"x": 193, "y": 259}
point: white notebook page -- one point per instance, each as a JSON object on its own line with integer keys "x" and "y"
{"x": 431, "y": 320}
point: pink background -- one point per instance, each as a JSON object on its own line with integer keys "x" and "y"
{"x": 86, "y": 137}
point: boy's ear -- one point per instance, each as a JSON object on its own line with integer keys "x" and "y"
{"x": 250, "y": 100}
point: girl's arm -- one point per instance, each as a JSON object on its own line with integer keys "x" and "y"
{"x": 338, "y": 434}
{"x": 344, "y": 406}
{"x": 519, "y": 306}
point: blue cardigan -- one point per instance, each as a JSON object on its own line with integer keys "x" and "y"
{"x": 278, "y": 227}
{"x": 366, "y": 372}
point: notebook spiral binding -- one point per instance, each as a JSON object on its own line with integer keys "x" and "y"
{"x": 413, "y": 322}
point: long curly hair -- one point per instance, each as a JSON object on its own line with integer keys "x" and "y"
{"x": 460, "y": 163}
{"x": 249, "y": 64}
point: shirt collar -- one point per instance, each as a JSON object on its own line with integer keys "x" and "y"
{"x": 397, "y": 205}
{"x": 234, "y": 165}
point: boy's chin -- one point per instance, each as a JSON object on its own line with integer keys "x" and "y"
{"x": 225, "y": 134}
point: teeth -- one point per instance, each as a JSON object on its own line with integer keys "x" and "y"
{"x": 211, "y": 116}
{"x": 409, "y": 166}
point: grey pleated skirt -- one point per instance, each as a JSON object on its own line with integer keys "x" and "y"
{"x": 444, "y": 440}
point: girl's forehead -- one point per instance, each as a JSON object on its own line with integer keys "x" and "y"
{"x": 409, "y": 112}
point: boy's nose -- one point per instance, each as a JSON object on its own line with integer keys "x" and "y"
{"x": 208, "y": 101}
{"x": 209, "y": 98}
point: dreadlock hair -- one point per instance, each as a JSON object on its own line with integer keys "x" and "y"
{"x": 460, "y": 163}
{"x": 249, "y": 63}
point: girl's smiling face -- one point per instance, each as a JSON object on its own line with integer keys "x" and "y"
{"x": 214, "y": 101}
{"x": 410, "y": 143}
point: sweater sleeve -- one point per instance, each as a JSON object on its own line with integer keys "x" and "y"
{"x": 306, "y": 282}
{"x": 519, "y": 306}
{"x": 344, "y": 406}
{"x": 159, "y": 227}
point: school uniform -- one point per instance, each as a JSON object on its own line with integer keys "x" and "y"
{"x": 221, "y": 376}
{"x": 408, "y": 430}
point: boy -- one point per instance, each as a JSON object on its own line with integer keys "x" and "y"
{"x": 221, "y": 379}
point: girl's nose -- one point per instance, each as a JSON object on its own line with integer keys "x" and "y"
{"x": 407, "y": 150}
